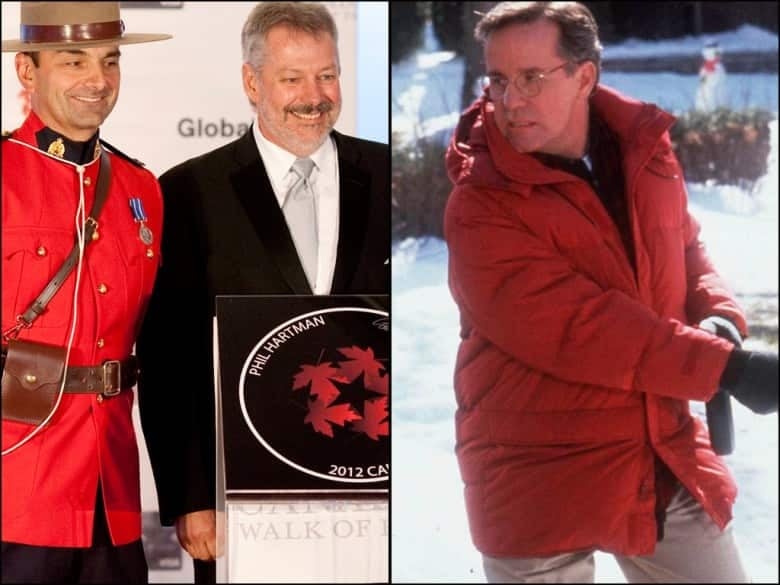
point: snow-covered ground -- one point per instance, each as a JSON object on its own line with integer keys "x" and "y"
{"x": 426, "y": 87}
{"x": 430, "y": 537}
{"x": 747, "y": 38}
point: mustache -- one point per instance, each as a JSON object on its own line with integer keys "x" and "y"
{"x": 308, "y": 109}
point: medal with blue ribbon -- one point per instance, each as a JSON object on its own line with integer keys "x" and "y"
{"x": 139, "y": 215}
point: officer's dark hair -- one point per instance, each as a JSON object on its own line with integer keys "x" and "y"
{"x": 34, "y": 55}
{"x": 579, "y": 38}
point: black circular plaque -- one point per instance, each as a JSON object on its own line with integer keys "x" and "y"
{"x": 315, "y": 392}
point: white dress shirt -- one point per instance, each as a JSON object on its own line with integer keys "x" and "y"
{"x": 324, "y": 182}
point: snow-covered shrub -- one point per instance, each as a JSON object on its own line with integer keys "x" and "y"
{"x": 725, "y": 146}
{"x": 419, "y": 188}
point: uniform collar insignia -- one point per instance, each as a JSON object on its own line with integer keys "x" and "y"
{"x": 57, "y": 148}
{"x": 62, "y": 147}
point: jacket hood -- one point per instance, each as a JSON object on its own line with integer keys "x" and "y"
{"x": 479, "y": 154}
{"x": 468, "y": 148}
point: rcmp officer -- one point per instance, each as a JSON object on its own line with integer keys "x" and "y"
{"x": 70, "y": 487}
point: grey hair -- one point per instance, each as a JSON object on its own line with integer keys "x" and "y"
{"x": 309, "y": 17}
{"x": 579, "y": 32}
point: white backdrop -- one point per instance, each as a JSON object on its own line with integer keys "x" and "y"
{"x": 182, "y": 97}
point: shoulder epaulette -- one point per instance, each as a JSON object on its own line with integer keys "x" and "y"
{"x": 118, "y": 152}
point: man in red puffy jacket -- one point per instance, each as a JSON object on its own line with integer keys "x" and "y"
{"x": 590, "y": 315}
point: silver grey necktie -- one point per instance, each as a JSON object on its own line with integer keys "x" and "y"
{"x": 301, "y": 215}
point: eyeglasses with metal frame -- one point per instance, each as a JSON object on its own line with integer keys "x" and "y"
{"x": 528, "y": 83}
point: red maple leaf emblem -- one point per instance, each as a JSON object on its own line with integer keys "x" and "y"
{"x": 321, "y": 416}
{"x": 363, "y": 361}
{"x": 321, "y": 378}
{"x": 374, "y": 422}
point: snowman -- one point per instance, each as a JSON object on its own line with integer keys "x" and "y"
{"x": 711, "y": 93}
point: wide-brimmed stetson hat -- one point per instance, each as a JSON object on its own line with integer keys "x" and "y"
{"x": 67, "y": 25}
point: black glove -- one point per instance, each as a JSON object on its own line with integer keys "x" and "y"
{"x": 751, "y": 378}
{"x": 720, "y": 418}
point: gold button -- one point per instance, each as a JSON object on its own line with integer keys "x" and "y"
{"x": 102, "y": 288}
{"x": 41, "y": 251}
{"x": 30, "y": 378}
{"x": 100, "y": 398}
{"x": 101, "y": 342}
{"x": 149, "y": 253}
{"x": 87, "y": 181}
{"x": 96, "y": 235}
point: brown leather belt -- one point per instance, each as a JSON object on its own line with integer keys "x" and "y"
{"x": 108, "y": 379}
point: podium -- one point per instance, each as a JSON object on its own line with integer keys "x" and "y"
{"x": 303, "y": 449}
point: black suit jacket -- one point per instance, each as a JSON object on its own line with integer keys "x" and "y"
{"x": 224, "y": 233}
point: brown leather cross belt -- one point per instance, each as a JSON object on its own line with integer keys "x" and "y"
{"x": 108, "y": 379}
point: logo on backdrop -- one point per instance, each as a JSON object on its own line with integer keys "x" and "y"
{"x": 314, "y": 391}
{"x": 198, "y": 128}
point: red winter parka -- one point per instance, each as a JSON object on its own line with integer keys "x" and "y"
{"x": 49, "y": 483}
{"x": 574, "y": 371}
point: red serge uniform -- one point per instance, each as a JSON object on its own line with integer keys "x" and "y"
{"x": 49, "y": 483}
{"x": 575, "y": 368}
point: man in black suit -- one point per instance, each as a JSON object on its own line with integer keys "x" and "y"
{"x": 230, "y": 229}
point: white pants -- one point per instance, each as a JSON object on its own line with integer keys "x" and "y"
{"x": 693, "y": 550}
